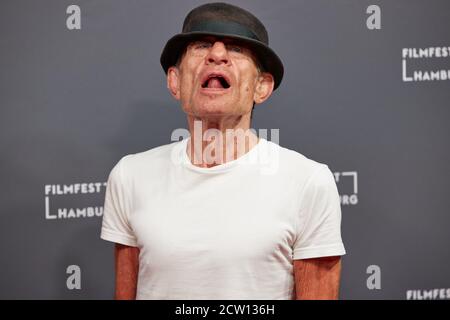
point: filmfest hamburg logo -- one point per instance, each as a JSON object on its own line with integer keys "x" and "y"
{"x": 411, "y": 56}
{"x": 54, "y": 191}
{"x": 428, "y": 294}
{"x": 348, "y": 181}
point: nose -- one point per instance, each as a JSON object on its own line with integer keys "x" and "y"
{"x": 217, "y": 54}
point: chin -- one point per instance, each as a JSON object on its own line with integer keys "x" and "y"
{"x": 213, "y": 108}
{"x": 212, "y": 111}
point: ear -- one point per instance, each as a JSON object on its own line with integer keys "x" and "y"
{"x": 173, "y": 82}
{"x": 264, "y": 87}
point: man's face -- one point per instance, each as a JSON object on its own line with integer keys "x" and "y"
{"x": 218, "y": 77}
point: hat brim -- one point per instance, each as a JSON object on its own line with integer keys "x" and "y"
{"x": 266, "y": 56}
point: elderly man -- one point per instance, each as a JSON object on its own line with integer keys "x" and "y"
{"x": 191, "y": 224}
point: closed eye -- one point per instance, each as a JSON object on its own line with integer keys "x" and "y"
{"x": 235, "y": 48}
{"x": 202, "y": 45}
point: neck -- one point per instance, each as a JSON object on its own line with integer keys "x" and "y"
{"x": 218, "y": 140}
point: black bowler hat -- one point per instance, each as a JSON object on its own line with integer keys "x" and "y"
{"x": 225, "y": 20}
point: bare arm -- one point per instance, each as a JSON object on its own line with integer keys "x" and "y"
{"x": 127, "y": 268}
{"x": 317, "y": 278}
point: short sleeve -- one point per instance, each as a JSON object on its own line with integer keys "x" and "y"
{"x": 319, "y": 220}
{"x": 116, "y": 225}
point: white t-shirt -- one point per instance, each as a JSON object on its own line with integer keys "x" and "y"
{"x": 226, "y": 232}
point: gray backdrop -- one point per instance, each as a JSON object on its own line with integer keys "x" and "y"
{"x": 73, "y": 101}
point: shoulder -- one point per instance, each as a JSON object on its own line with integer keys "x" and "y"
{"x": 156, "y": 158}
{"x": 299, "y": 167}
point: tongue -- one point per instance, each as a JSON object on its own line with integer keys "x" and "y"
{"x": 214, "y": 83}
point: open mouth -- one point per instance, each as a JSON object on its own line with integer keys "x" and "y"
{"x": 215, "y": 81}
